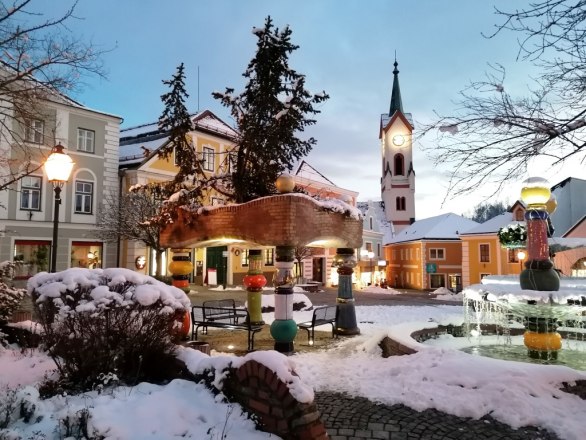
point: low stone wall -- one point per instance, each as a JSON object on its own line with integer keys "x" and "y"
{"x": 260, "y": 391}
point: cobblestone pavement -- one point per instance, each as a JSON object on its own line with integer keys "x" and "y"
{"x": 350, "y": 418}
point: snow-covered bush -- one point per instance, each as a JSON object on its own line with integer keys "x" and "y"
{"x": 10, "y": 297}
{"x": 106, "y": 321}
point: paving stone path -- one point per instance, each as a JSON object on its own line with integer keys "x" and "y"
{"x": 352, "y": 418}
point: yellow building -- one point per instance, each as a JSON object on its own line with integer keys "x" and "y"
{"x": 483, "y": 255}
{"x": 139, "y": 164}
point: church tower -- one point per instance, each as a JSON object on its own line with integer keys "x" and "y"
{"x": 398, "y": 174}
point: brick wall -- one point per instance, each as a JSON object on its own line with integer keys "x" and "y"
{"x": 260, "y": 391}
{"x": 282, "y": 220}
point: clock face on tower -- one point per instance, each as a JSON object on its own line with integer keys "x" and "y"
{"x": 398, "y": 140}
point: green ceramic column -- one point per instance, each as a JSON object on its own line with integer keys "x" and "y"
{"x": 284, "y": 328}
{"x": 254, "y": 281}
{"x": 345, "y": 261}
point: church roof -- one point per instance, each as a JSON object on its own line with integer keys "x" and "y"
{"x": 396, "y": 102}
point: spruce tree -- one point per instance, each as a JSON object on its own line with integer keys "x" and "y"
{"x": 271, "y": 113}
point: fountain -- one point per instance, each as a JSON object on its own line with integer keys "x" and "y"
{"x": 536, "y": 302}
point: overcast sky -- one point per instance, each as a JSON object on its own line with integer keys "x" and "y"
{"x": 347, "y": 48}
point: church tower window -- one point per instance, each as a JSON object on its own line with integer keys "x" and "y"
{"x": 399, "y": 165}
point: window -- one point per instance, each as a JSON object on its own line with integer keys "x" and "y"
{"x": 399, "y": 165}
{"x": 370, "y": 223}
{"x": 400, "y": 202}
{"x": 30, "y": 193}
{"x": 216, "y": 201}
{"x": 244, "y": 257}
{"x": 33, "y": 256}
{"x": 484, "y": 253}
{"x": 232, "y": 160}
{"x": 83, "y": 197}
{"x": 85, "y": 140}
{"x": 86, "y": 254}
{"x": 269, "y": 257}
{"x": 401, "y": 255}
{"x": 436, "y": 254}
{"x": 512, "y": 253}
{"x": 34, "y": 131}
{"x": 208, "y": 159}
{"x": 378, "y": 250}
{"x": 394, "y": 254}
{"x": 417, "y": 254}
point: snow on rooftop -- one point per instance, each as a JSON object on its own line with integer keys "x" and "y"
{"x": 493, "y": 225}
{"x": 441, "y": 227}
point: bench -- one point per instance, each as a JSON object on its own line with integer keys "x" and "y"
{"x": 321, "y": 315}
{"x": 230, "y": 318}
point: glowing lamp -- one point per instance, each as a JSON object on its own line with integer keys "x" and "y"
{"x": 58, "y": 165}
{"x": 521, "y": 255}
{"x": 535, "y": 193}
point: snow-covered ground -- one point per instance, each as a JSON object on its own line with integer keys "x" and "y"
{"x": 517, "y": 394}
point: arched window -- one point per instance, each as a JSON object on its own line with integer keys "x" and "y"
{"x": 370, "y": 223}
{"x": 403, "y": 204}
{"x": 399, "y": 165}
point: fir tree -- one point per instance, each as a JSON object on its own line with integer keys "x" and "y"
{"x": 271, "y": 112}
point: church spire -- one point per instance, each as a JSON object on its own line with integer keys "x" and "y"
{"x": 396, "y": 103}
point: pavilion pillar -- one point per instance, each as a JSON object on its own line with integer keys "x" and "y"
{"x": 345, "y": 261}
{"x": 284, "y": 328}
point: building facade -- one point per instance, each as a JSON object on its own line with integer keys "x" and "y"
{"x": 26, "y": 225}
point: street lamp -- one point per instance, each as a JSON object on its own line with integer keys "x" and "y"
{"x": 58, "y": 167}
{"x": 521, "y": 256}
{"x": 370, "y": 257}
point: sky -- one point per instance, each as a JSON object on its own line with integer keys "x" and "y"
{"x": 515, "y": 393}
{"x": 347, "y": 48}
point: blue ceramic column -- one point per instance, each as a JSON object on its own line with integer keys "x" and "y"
{"x": 345, "y": 261}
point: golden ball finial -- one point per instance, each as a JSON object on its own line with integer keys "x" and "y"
{"x": 285, "y": 183}
{"x": 551, "y": 204}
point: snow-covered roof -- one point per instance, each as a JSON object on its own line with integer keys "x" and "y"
{"x": 377, "y": 211}
{"x": 441, "y": 227}
{"x": 493, "y": 225}
{"x": 308, "y": 172}
{"x": 138, "y": 142}
{"x": 385, "y": 118}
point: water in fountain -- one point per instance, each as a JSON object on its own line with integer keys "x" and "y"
{"x": 499, "y": 307}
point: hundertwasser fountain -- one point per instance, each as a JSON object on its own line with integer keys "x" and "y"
{"x": 536, "y": 302}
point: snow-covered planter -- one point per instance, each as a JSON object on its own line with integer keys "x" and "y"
{"x": 106, "y": 321}
{"x": 513, "y": 236}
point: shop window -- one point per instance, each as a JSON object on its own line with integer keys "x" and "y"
{"x": 86, "y": 254}
{"x": 32, "y": 257}
{"x": 269, "y": 257}
{"x": 437, "y": 280}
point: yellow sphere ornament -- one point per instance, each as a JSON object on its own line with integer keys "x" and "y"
{"x": 535, "y": 192}
{"x": 551, "y": 204}
{"x": 285, "y": 183}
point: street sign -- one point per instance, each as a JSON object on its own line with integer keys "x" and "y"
{"x": 431, "y": 268}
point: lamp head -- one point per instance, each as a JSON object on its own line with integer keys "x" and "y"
{"x": 58, "y": 165}
{"x": 535, "y": 193}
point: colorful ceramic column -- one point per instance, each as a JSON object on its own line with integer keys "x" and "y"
{"x": 541, "y": 338}
{"x": 180, "y": 268}
{"x": 284, "y": 328}
{"x": 254, "y": 281}
{"x": 345, "y": 261}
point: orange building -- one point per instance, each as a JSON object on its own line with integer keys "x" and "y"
{"x": 428, "y": 253}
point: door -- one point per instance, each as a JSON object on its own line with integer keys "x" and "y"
{"x": 318, "y": 269}
{"x": 216, "y": 260}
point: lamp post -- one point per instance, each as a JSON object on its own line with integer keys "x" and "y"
{"x": 370, "y": 257}
{"x": 58, "y": 167}
{"x": 521, "y": 256}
